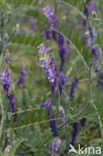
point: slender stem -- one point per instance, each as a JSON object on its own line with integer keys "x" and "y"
{"x": 3, "y": 119}
{"x": 55, "y": 6}
{"x": 90, "y": 82}
{"x": 90, "y": 98}
{"x": 73, "y": 7}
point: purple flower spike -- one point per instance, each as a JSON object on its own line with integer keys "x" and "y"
{"x": 72, "y": 87}
{"x": 63, "y": 79}
{"x": 55, "y": 145}
{"x": 15, "y": 118}
{"x": 91, "y": 36}
{"x": 33, "y": 26}
{"x": 75, "y": 132}
{"x": 22, "y": 76}
{"x": 12, "y": 102}
{"x": 49, "y": 13}
{"x": 7, "y": 59}
{"x": 48, "y": 33}
{"x": 91, "y": 7}
{"x": 53, "y": 126}
{"x": 99, "y": 83}
{"x": 62, "y": 50}
{"x": 94, "y": 33}
{"x": 62, "y": 111}
{"x": 83, "y": 122}
{"x": 6, "y": 82}
{"x": 47, "y": 104}
{"x": 84, "y": 22}
{"x": 6, "y": 79}
{"x": 11, "y": 98}
{"x": 47, "y": 63}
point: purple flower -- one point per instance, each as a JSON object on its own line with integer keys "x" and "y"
{"x": 15, "y": 118}
{"x": 75, "y": 132}
{"x": 47, "y": 63}
{"x": 47, "y": 104}
{"x": 53, "y": 126}
{"x": 83, "y": 122}
{"x": 12, "y": 101}
{"x": 94, "y": 33}
{"x": 62, "y": 112}
{"x": 91, "y": 7}
{"x": 62, "y": 50}
{"x": 20, "y": 154}
{"x": 84, "y": 22}
{"x": 98, "y": 73}
{"x": 91, "y": 36}
{"x": 7, "y": 59}
{"x": 95, "y": 57}
{"x": 43, "y": 49}
{"x": 6, "y": 80}
{"x": 55, "y": 145}
{"x": 11, "y": 98}
{"x": 63, "y": 78}
{"x": 33, "y": 26}
{"x": 100, "y": 76}
{"x": 99, "y": 83}
{"x": 22, "y": 76}
{"x": 48, "y": 33}
{"x": 72, "y": 87}
{"x": 49, "y": 13}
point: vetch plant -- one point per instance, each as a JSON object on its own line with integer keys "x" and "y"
{"x": 51, "y": 78}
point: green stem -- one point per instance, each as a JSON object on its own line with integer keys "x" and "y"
{"x": 55, "y": 6}
{"x": 93, "y": 104}
{"x": 73, "y": 7}
{"x": 90, "y": 85}
{"x": 3, "y": 119}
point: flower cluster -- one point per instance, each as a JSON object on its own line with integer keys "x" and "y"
{"x": 83, "y": 122}
{"x": 48, "y": 33}
{"x": 84, "y": 22}
{"x": 62, "y": 50}
{"x": 7, "y": 58}
{"x": 53, "y": 126}
{"x": 75, "y": 132}
{"x": 100, "y": 77}
{"x": 6, "y": 82}
{"x": 91, "y": 36}
{"x": 72, "y": 87}
{"x": 62, "y": 111}
{"x": 33, "y": 26}
{"x": 22, "y": 76}
{"x": 47, "y": 104}
{"x": 49, "y": 13}
{"x": 47, "y": 63}
{"x": 55, "y": 145}
{"x": 52, "y": 122}
{"x": 62, "y": 114}
{"x": 63, "y": 79}
{"x": 91, "y": 7}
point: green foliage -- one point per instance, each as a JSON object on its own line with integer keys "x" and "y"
{"x": 33, "y": 127}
